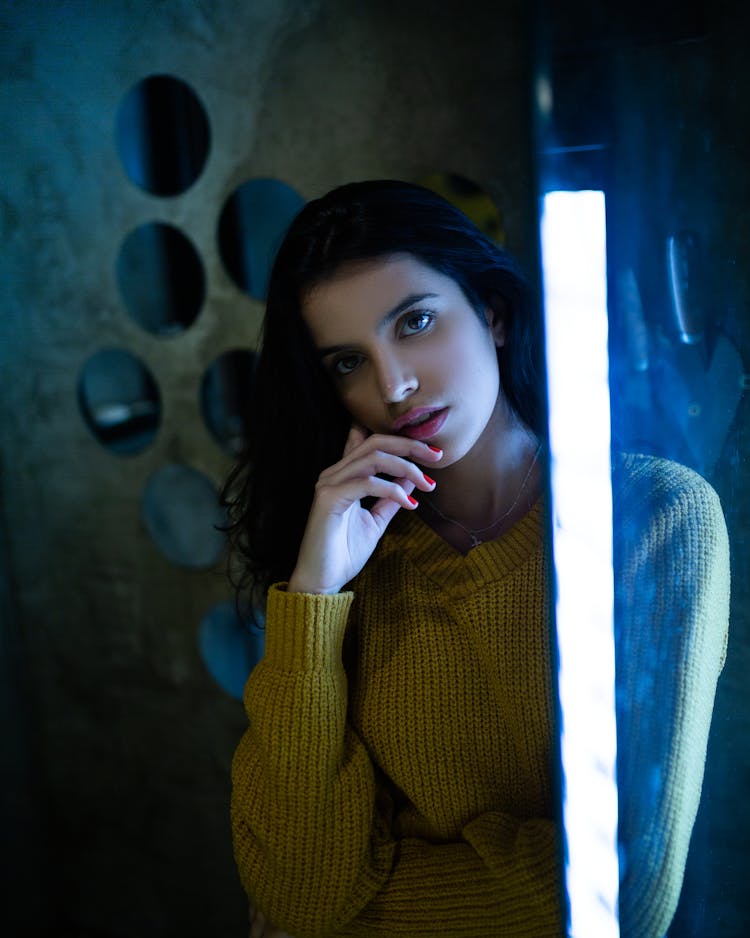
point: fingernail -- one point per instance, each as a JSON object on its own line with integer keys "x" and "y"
{"x": 413, "y": 500}
{"x": 435, "y": 449}
{"x": 427, "y": 479}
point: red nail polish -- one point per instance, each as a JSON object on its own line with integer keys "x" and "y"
{"x": 435, "y": 449}
{"x": 428, "y": 479}
{"x": 413, "y": 500}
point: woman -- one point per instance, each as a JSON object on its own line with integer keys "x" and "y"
{"x": 395, "y": 778}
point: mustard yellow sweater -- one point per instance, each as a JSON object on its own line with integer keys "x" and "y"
{"x": 395, "y": 778}
{"x": 672, "y": 618}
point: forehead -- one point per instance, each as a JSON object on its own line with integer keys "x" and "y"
{"x": 365, "y": 291}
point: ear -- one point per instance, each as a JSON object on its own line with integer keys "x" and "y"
{"x": 496, "y": 314}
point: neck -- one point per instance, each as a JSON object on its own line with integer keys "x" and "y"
{"x": 496, "y": 477}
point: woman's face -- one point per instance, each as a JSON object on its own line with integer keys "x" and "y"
{"x": 408, "y": 353}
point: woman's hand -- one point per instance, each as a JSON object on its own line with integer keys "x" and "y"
{"x": 341, "y": 535}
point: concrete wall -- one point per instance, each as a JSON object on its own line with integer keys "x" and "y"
{"x": 118, "y": 739}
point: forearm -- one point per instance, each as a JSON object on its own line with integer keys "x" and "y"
{"x": 303, "y": 786}
{"x": 313, "y": 828}
{"x": 501, "y": 879}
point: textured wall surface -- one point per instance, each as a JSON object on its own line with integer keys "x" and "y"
{"x": 119, "y": 742}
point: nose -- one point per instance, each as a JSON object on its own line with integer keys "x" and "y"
{"x": 396, "y": 380}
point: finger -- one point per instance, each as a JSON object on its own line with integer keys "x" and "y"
{"x": 374, "y": 463}
{"x": 383, "y": 511}
{"x": 357, "y": 435}
{"x": 402, "y": 446}
{"x": 406, "y": 484}
{"x": 337, "y": 498}
{"x": 386, "y": 508}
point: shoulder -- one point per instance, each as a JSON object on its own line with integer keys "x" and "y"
{"x": 672, "y": 557}
{"x": 635, "y": 474}
{"x": 668, "y": 520}
{"x": 650, "y": 488}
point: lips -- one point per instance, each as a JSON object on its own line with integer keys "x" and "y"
{"x": 421, "y": 423}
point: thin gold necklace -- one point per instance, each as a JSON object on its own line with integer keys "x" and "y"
{"x": 473, "y": 534}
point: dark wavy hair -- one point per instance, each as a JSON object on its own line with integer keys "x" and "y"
{"x": 297, "y": 426}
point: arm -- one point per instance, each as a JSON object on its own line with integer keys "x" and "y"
{"x": 313, "y": 824}
{"x": 672, "y": 619}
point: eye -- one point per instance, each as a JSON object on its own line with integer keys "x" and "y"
{"x": 345, "y": 365}
{"x": 416, "y": 322}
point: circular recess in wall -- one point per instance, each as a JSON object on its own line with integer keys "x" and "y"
{"x": 119, "y": 400}
{"x": 253, "y": 221}
{"x": 161, "y": 279}
{"x": 231, "y": 646}
{"x": 181, "y": 511}
{"x": 226, "y": 398}
{"x": 162, "y": 134}
{"x": 471, "y": 198}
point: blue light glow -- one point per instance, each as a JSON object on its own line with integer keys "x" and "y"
{"x": 573, "y": 235}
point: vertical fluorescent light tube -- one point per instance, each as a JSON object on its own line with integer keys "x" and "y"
{"x": 573, "y": 235}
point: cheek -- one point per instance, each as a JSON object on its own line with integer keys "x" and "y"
{"x": 358, "y": 404}
{"x": 475, "y": 364}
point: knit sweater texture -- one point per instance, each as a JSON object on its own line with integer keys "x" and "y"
{"x": 396, "y": 774}
{"x": 671, "y": 628}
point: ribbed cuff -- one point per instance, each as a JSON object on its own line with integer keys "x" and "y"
{"x": 305, "y": 631}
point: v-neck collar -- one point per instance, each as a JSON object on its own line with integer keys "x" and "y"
{"x": 491, "y": 560}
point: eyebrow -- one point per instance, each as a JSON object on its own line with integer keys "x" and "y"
{"x": 385, "y": 321}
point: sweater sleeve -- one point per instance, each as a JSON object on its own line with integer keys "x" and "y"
{"x": 672, "y": 621}
{"x": 312, "y": 821}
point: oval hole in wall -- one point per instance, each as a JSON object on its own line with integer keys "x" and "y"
{"x": 226, "y": 398}
{"x": 252, "y": 223}
{"x": 161, "y": 279}
{"x": 471, "y": 199}
{"x": 119, "y": 401}
{"x": 163, "y": 135}
{"x": 231, "y": 646}
{"x": 181, "y": 511}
